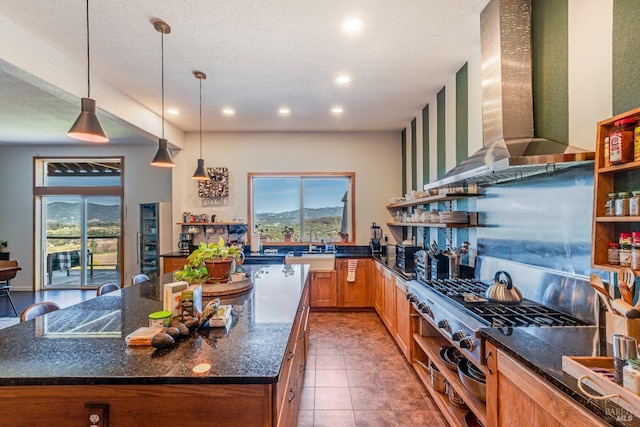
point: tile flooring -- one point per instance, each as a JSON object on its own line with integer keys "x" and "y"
{"x": 356, "y": 376}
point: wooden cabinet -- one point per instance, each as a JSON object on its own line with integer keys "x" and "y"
{"x": 323, "y": 288}
{"x": 403, "y": 319}
{"x": 172, "y": 263}
{"x": 611, "y": 179}
{"x": 389, "y": 312}
{"x": 377, "y": 272}
{"x": 357, "y": 293}
{"x": 518, "y": 397}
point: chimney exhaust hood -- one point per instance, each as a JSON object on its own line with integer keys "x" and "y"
{"x": 510, "y": 149}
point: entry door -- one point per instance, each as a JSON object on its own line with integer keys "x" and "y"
{"x": 82, "y": 241}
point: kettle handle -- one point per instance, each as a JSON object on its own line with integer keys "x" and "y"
{"x": 508, "y": 281}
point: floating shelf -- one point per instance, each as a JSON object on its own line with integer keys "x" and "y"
{"x": 432, "y": 199}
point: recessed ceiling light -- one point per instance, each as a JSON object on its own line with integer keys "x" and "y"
{"x": 228, "y": 111}
{"x": 343, "y": 79}
{"x": 352, "y": 25}
{"x": 173, "y": 111}
{"x": 337, "y": 110}
{"x": 284, "y": 111}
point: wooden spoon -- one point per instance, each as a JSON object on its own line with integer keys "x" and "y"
{"x": 596, "y": 283}
{"x": 628, "y": 277}
{"x": 625, "y": 292}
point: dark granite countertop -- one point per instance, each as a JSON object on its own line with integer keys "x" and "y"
{"x": 85, "y": 343}
{"x": 541, "y": 350}
{"x": 253, "y": 258}
{"x": 389, "y": 261}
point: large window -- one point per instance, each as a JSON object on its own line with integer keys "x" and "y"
{"x": 295, "y": 208}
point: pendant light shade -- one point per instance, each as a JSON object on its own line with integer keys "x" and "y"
{"x": 163, "y": 157}
{"x": 87, "y": 127}
{"x": 200, "y": 174}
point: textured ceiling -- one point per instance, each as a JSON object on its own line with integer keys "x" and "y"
{"x": 258, "y": 55}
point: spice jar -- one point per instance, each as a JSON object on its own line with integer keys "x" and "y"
{"x": 636, "y": 144}
{"x": 625, "y": 255}
{"x": 610, "y": 205}
{"x": 607, "y": 162}
{"x": 621, "y": 141}
{"x": 614, "y": 253}
{"x": 635, "y": 256}
{"x": 634, "y": 203}
{"x": 624, "y": 239}
{"x": 622, "y": 204}
{"x": 624, "y": 348}
{"x": 631, "y": 376}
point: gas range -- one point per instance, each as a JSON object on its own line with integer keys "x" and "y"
{"x": 458, "y": 309}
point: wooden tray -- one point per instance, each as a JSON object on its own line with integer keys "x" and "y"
{"x": 223, "y": 289}
{"x": 580, "y": 368}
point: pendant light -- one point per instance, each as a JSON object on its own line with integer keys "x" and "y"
{"x": 200, "y": 174}
{"x": 87, "y": 126}
{"x": 163, "y": 157}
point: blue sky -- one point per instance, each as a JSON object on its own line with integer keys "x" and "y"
{"x": 282, "y": 194}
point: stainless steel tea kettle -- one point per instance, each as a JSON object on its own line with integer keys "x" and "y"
{"x": 502, "y": 289}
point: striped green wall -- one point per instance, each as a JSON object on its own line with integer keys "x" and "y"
{"x": 441, "y": 132}
{"x": 626, "y": 55}
{"x": 425, "y": 145}
{"x": 414, "y": 156}
{"x": 404, "y": 160}
{"x": 462, "y": 113}
{"x": 550, "y": 44}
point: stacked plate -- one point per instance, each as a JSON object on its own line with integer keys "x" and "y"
{"x": 454, "y": 217}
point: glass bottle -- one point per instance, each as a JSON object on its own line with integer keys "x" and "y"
{"x": 622, "y": 204}
{"x": 610, "y": 205}
{"x": 634, "y": 203}
{"x": 631, "y": 376}
{"x": 614, "y": 253}
{"x": 625, "y": 255}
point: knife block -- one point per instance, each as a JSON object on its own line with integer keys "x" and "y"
{"x": 617, "y": 324}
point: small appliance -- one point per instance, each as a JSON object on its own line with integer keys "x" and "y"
{"x": 376, "y": 235}
{"x": 186, "y": 240}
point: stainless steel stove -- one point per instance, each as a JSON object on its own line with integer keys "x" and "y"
{"x": 458, "y": 309}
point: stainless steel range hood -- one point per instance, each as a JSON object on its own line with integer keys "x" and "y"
{"x": 510, "y": 149}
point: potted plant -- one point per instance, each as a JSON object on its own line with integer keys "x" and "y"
{"x": 287, "y": 231}
{"x": 3, "y": 244}
{"x": 218, "y": 258}
{"x": 191, "y": 274}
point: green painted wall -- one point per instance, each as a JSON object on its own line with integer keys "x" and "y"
{"x": 404, "y": 160}
{"x": 550, "y": 40}
{"x": 414, "y": 155}
{"x": 626, "y": 55}
{"x": 441, "y": 132}
{"x": 462, "y": 113}
{"x": 425, "y": 145}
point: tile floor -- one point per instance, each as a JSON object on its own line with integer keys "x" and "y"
{"x": 356, "y": 376}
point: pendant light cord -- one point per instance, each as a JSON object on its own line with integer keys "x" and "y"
{"x": 162, "y": 74}
{"x": 88, "y": 57}
{"x": 200, "y": 118}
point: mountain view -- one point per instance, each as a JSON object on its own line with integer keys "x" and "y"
{"x": 324, "y": 222}
{"x": 69, "y": 213}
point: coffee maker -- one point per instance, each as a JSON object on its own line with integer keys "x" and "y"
{"x": 376, "y": 236}
{"x": 186, "y": 240}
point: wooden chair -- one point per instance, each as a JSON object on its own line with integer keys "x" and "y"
{"x": 38, "y": 309}
{"x": 139, "y": 278}
{"x": 105, "y": 288}
{"x": 8, "y": 270}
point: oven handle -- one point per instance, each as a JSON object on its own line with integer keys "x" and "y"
{"x": 486, "y": 361}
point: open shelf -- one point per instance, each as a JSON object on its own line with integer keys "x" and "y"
{"x": 429, "y": 225}
{"x": 430, "y": 346}
{"x": 453, "y": 414}
{"x": 431, "y": 199}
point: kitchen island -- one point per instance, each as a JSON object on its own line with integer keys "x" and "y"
{"x": 54, "y": 365}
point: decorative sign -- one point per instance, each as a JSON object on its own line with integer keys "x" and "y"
{"x": 218, "y": 186}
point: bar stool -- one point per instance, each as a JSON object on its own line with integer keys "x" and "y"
{"x": 105, "y": 288}
{"x": 139, "y": 278}
{"x": 8, "y": 270}
{"x": 38, "y": 309}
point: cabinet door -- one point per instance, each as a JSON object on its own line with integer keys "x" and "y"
{"x": 323, "y": 289}
{"x": 403, "y": 319}
{"x": 389, "y": 313}
{"x": 358, "y": 292}
{"x": 378, "y": 288}
{"x": 517, "y": 396}
{"x": 170, "y": 264}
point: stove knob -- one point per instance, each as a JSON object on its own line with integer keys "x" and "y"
{"x": 425, "y": 309}
{"x": 468, "y": 343}
{"x": 457, "y": 336}
{"x": 444, "y": 324}
{"x": 412, "y": 298}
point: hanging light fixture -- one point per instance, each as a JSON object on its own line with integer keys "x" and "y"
{"x": 87, "y": 126}
{"x": 163, "y": 157}
{"x": 200, "y": 174}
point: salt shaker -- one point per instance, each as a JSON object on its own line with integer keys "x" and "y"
{"x": 624, "y": 347}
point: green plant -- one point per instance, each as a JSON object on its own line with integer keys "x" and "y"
{"x": 191, "y": 274}
{"x": 287, "y": 230}
{"x": 3, "y": 243}
{"x": 212, "y": 252}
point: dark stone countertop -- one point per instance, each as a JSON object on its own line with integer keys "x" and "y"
{"x": 85, "y": 343}
{"x": 345, "y": 252}
{"x": 541, "y": 350}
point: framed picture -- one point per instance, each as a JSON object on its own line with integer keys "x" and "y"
{"x": 217, "y": 186}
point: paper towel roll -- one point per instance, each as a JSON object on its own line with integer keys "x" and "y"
{"x": 255, "y": 242}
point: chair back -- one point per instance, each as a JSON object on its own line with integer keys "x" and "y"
{"x": 139, "y": 278}
{"x": 7, "y": 275}
{"x": 105, "y": 288}
{"x": 38, "y": 309}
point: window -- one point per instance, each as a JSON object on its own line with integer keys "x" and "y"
{"x": 302, "y": 207}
